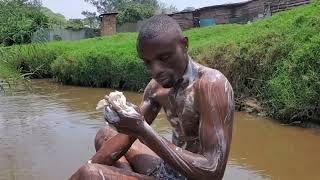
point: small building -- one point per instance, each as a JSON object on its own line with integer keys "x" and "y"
{"x": 241, "y": 12}
{"x": 108, "y": 24}
{"x": 184, "y": 19}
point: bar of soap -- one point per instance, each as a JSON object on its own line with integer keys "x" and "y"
{"x": 118, "y": 99}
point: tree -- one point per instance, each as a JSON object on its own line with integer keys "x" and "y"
{"x": 19, "y": 19}
{"x": 107, "y": 6}
{"x": 91, "y": 19}
{"x": 75, "y": 24}
{"x": 189, "y": 9}
{"x": 163, "y": 8}
{"x": 134, "y": 12}
{"x": 55, "y": 19}
{"x": 129, "y": 10}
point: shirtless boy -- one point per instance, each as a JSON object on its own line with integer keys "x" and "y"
{"x": 198, "y": 102}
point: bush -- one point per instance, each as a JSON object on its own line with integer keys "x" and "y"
{"x": 19, "y": 19}
{"x": 33, "y": 59}
{"x": 106, "y": 62}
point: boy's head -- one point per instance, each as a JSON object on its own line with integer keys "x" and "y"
{"x": 163, "y": 48}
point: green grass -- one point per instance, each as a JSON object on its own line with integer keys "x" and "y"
{"x": 7, "y": 75}
{"x": 276, "y": 60}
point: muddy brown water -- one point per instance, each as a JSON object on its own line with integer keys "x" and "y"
{"x": 47, "y": 133}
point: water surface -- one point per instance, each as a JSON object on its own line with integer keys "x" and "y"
{"x": 47, "y": 133}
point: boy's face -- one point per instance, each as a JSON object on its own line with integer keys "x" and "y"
{"x": 165, "y": 57}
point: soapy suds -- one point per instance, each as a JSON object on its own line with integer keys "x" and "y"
{"x": 118, "y": 99}
{"x": 115, "y": 99}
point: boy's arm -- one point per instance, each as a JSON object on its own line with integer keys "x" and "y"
{"x": 215, "y": 104}
{"x": 117, "y": 146}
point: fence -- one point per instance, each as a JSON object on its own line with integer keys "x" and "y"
{"x": 282, "y": 5}
{"x": 46, "y": 35}
{"x": 130, "y": 27}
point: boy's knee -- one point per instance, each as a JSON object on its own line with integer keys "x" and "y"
{"x": 88, "y": 171}
{"x": 102, "y": 135}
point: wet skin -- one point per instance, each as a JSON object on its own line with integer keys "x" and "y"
{"x": 199, "y": 104}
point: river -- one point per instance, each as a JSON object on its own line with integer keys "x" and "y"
{"x": 47, "y": 133}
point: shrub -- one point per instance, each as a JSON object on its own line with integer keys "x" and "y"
{"x": 19, "y": 19}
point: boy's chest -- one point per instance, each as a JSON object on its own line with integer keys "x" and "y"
{"x": 181, "y": 102}
{"x": 182, "y": 114}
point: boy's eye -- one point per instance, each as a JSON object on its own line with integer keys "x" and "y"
{"x": 164, "y": 58}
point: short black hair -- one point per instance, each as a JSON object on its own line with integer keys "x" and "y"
{"x": 156, "y": 25}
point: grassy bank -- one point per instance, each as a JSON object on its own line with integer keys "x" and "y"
{"x": 276, "y": 60}
{"x": 8, "y": 74}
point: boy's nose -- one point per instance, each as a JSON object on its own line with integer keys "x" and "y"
{"x": 156, "y": 70}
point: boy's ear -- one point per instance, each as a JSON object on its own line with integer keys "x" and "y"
{"x": 185, "y": 42}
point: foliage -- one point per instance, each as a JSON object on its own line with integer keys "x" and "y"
{"x": 101, "y": 68}
{"x": 9, "y": 75}
{"x": 75, "y": 24}
{"x": 32, "y": 60}
{"x": 55, "y": 19}
{"x": 129, "y": 10}
{"x": 163, "y": 8}
{"x": 91, "y": 19}
{"x": 106, "y": 6}
{"x": 109, "y": 6}
{"x": 134, "y": 12}
{"x": 19, "y": 19}
{"x": 276, "y": 60}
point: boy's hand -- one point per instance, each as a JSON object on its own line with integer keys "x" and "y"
{"x": 126, "y": 122}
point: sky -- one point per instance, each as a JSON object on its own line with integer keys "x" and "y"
{"x": 72, "y": 9}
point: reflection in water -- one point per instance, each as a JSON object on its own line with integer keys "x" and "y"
{"x": 280, "y": 152}
{"x": 48, "y": 133}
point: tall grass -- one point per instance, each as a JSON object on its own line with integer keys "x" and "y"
{"x": 276, "y": 60}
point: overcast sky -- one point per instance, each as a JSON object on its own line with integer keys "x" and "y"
{"x": 73, "y": 8}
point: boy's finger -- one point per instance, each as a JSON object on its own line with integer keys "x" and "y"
{"x": 111, "y": 116}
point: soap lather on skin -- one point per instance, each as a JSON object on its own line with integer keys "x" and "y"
{"x": 119, "y": 100}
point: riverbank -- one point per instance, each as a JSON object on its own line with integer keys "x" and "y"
{"x": 275, "y": 61}
{"x": 8, "y": 75}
